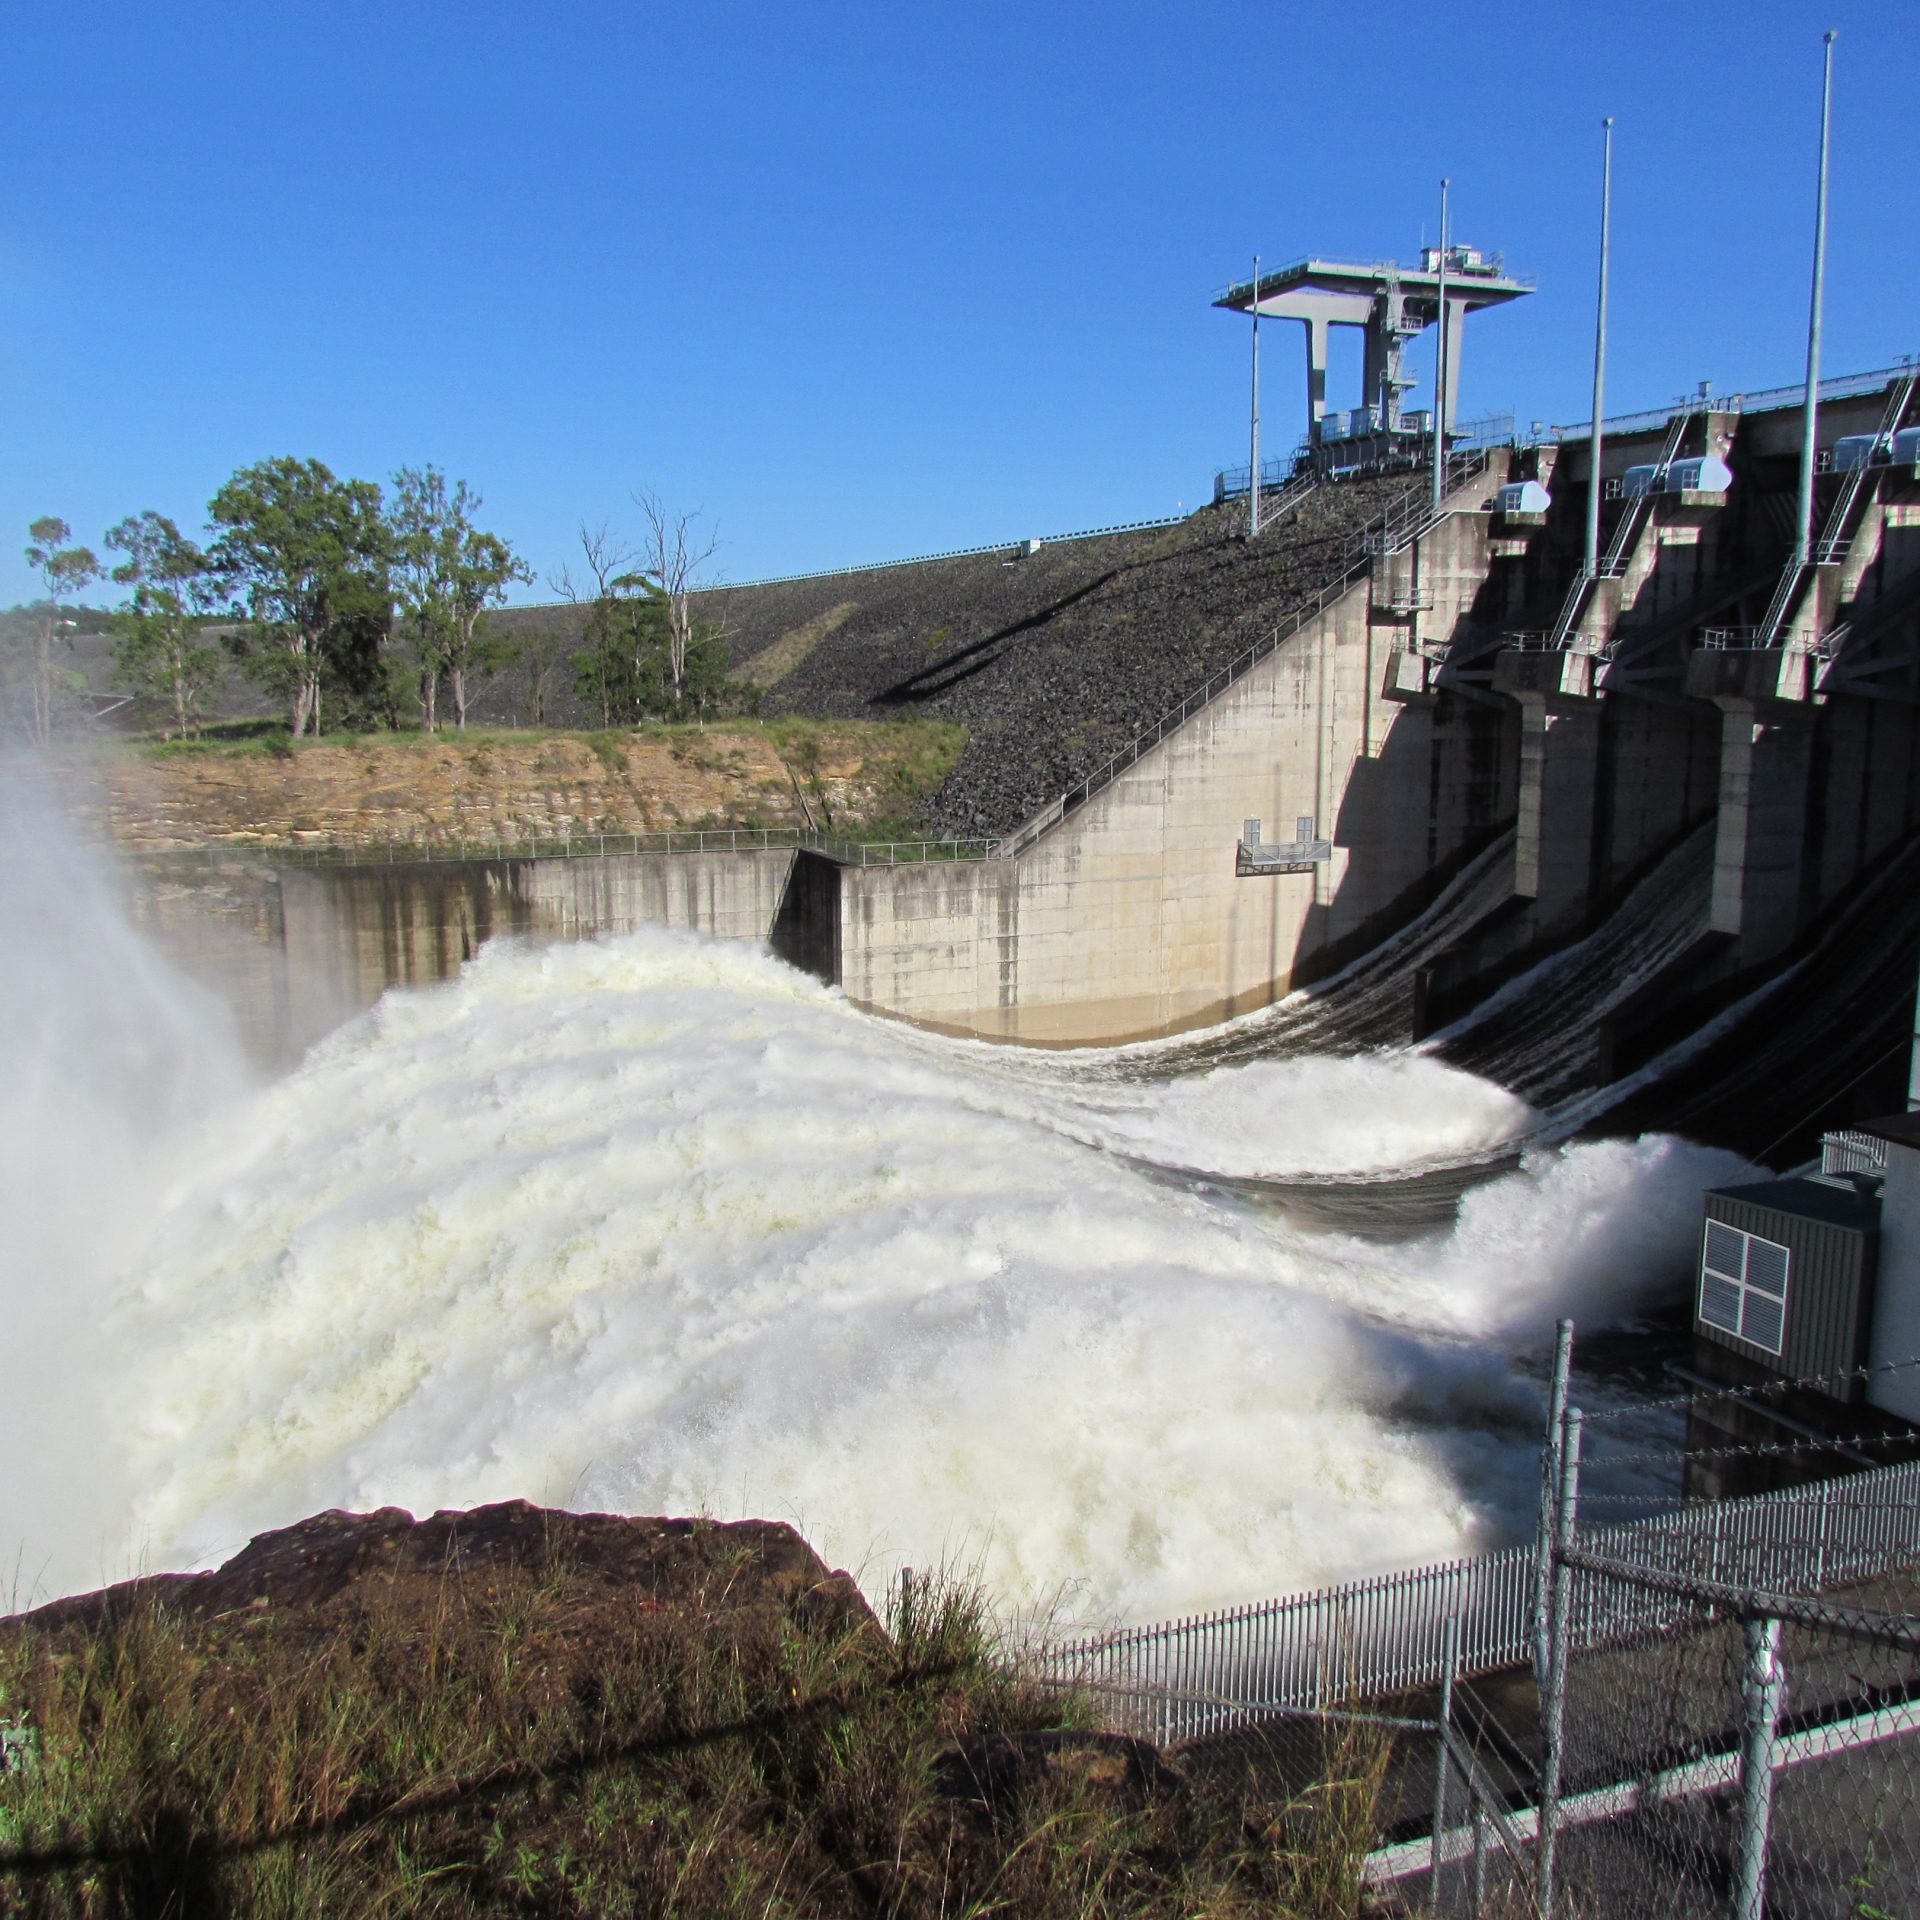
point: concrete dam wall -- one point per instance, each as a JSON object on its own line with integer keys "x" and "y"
{"x": 296, "y": 950}
{"x": 1444, "y": 681}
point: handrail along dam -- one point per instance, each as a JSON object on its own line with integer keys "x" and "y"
{"x": 1211, "y": 770}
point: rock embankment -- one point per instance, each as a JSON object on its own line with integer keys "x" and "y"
{"x": 517, "y": 1711}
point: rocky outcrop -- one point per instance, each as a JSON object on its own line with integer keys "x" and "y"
{"x": 327, "y": 1565}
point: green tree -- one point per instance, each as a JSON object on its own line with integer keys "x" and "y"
{"x": 621, "y": 668}
{"x": 446, "y": 573}
{"x": 64, "y": 570}
{"x": 162, "y": 652}
{"x": 308, "y": 555}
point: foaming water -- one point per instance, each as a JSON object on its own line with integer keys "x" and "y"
{"x": 658, "y": 1225}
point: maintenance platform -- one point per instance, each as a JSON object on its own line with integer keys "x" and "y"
{"x": 1393, "y": 304}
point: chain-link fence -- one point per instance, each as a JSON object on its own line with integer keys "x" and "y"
{"x": 1710, "y": 1707}
{"x": 1730, "y": 1717}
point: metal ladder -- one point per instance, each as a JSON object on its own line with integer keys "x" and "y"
{"x": 1613, "y": 563}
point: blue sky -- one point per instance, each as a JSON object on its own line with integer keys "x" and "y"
{"x": 867, "y": 281}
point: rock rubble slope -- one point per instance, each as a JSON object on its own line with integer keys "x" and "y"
{"x": 1053, "y": 661}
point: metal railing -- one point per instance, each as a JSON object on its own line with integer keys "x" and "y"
{"x": 949, "y": 553}
{"x": 1493, "y": 266}
{"x": 910, "y": 560}
{"x": 1836, "y": 536}
{"x": 1406, "y": 517}
{"x": 586, "y": 846}
{"x": 1844, "y": 1151}
{"x": 1489, "y": 430}
{"x": 1363, "y": 1638}
{"x": 1229, "y": 483}
{"x": 1614, "y": 562}
{"x": 1846, "y": 386}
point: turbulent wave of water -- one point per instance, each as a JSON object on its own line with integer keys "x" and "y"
{"x": 657, "y": 1224}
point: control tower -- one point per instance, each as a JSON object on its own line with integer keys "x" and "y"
{"x": 1393, "y": 304}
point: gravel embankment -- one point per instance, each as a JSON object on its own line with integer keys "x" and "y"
{"x": 1052, "y": 663}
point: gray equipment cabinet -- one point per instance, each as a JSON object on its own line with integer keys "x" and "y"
{"x": 1786, "y": 1276}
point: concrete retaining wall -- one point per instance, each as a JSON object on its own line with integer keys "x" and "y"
{"x": 361, "y": 930}
{"x": 1129, "y": 918}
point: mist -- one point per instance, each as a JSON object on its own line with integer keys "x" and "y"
{"x": 109, "y": 1063}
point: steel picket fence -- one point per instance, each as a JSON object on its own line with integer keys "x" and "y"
{"x": 1210, "y": 1672}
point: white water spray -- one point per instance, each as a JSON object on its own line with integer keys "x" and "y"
{"x": 108, "y": 1061}
{"x": 658, "y": 1225}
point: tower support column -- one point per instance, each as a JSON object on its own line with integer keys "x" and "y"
{"x": 1766, "y": 758}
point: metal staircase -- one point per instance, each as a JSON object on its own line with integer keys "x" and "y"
{"x": 1275, "y": 507}
{"x": 1836, "y": 536}
{"x": 1613, "y": 563}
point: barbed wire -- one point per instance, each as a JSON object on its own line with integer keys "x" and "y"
{"x": 1697, "y": 1397}
{"x": 1760, "y": 1450}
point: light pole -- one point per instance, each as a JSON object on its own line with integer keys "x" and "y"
{"x": 1592, "y": 564}
{"x": 1803, "y": 523}
{"x": 1440, "y": 364}
{"x": 1253, "y": 469}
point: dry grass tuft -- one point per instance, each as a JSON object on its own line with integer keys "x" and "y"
{"x": 529, "y": 1744}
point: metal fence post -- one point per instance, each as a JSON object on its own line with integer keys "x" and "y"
{"x": 1549, "y": 1476}
{"x": 1478, "y": 1906}
{"x": 1449, "y": 1659}
{"x": 1553, "y": 1703}
{"x": 1765, "y": 1688}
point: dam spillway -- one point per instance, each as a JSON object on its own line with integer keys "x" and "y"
{"x": 1390, "y": 675}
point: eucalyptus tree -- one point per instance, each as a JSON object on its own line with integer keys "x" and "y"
{"x": 307, "y": 555}
{"x": 162, "y": 651}
{"x": 673, "y": 554}
{"x": 64, "y": 569}
{"x": 446, "y": 572}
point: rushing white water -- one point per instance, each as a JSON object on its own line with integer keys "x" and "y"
{"x": 659, "y": 1225}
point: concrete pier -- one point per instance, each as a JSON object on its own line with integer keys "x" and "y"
{"x": 1559, "y": 782}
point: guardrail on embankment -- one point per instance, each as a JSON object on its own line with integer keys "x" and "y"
{"x": 582, "y": 846}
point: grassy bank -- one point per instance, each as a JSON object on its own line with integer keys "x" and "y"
{"x": 520, "y": 1746}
